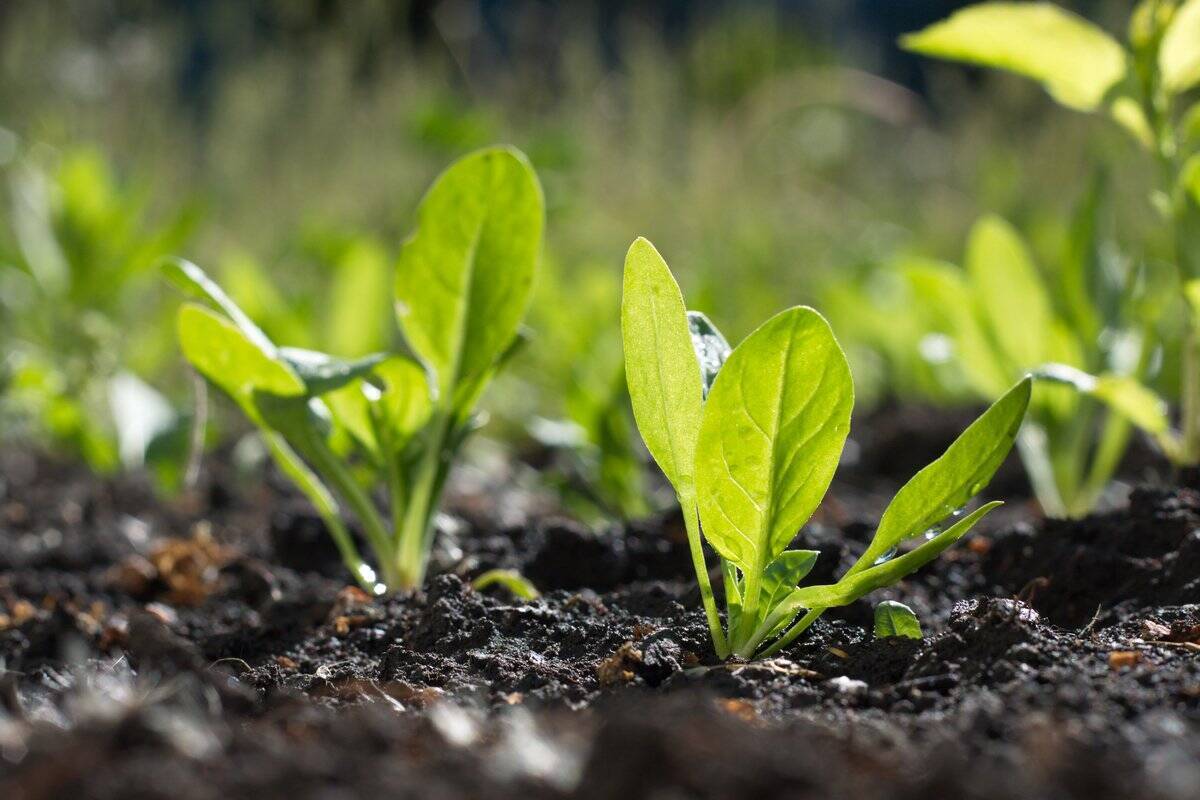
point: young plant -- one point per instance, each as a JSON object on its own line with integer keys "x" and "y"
{"x": 1071, "y": 444}
{"x": 750, "y": 439}
{"x": 1144, "y": 86}
{"x": 82, "y": 344}
{"x": 462, "y": 287}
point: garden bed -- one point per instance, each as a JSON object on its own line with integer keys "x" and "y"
{"x": 211, "y": 647}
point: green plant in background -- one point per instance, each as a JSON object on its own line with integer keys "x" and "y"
{"x": 1004, "y": 320}
{"x": 75, "y": 277}
{"x": 462, "y": 286}
{"x": 597, "y": 464}
{"x": 1143, "y": 86}
{"x": 750, "y": 439}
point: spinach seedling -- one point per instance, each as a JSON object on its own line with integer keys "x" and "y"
{"x": 894, "y": 619}
{"x": 750, "y": 438}
{"x": 462, "y": 286}
{"x": 1145, "y": 84}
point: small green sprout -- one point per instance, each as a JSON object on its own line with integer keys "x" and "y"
{"x": 510, "y": 579}
{"x": 750, "y": 439}
{"x": 462, "y": 287}
{"x": 894, "y": 619}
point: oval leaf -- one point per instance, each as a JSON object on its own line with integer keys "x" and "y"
{"x": 1074, "y": 60}
{"x": 194, "y": 282}
{"x": 226, "y": 356}
{"x": 661, "y": 370}
{"x": 1011, "y": 292}
{"x": 896, "y": 619}
{"x": 771, "y": 434}
{"x": 1179, "y": 52}
{"x": 463, "y": 280}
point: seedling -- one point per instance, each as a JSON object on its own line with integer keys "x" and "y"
{"x": 894, "y": 619}
{"x": 462, "y": 287}
{"x": 81, "y": 341}
{"x": 1143, "y": 85}
{"x": 750, "y": 437}
{"x": 1071, "y": 444}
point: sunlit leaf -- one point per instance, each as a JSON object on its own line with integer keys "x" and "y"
{"x": 771, "y": 434}
{"x": 661, "y": 370}
{"x": 463, "y": 280}
{"x": 894, "y": 619}
{"x": 510, "y": 579}
{"x": 1179, "y": 51}
{"x": 1073, "y": 59}
{"x": 939, "y": 490}
{"x": 1125, "y": 395}
{"x": 1010, "y": 290}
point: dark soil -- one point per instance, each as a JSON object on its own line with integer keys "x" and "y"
{"x": 210, "y": 648}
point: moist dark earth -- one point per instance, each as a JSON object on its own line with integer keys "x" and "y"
{"x": 209, "y": 647}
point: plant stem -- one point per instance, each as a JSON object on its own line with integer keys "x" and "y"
{"x": 691, "y": 523}
{"x": 412, "y": 550}
{"x": 793, "y": 632}
{"x": 328, "y": 464}
{"x": 1031, "y": 444}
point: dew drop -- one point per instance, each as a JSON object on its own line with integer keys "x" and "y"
{"x": 885, "y": 556}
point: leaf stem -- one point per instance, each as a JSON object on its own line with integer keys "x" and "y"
{"x": 412, "y": 551}
{"x": 691, "y": 522}
{"x": 330, "y": 466}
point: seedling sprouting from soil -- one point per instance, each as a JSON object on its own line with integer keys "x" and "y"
{"x": 1006, "y": 320}
{"x": 1143, "y": 85}
{"x": 750, "y": 438}
{"x": 462, "y": 287}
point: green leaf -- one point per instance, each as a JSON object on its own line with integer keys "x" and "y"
{"x": 1179, "y": 52}
{"x": 710, "y": 346}
{"x": 856, "y": 585}
{"x": 1010, "y": 291}
{"x": 1123, "y": 394}
{"x": 783, "y": 575}
{"x": 665, "y": 387}
{"x": 1074, "y": 60}
{"x": 463, "y": 280}
{"x": 771, "y": 433}
{"x": 510, "y": 579}
{"x": 1189, "y": 178}
{"x": 195, "y": 283}
{"x": 944, "y": 486}
{"x": 323, "y": 373}
{"x": 222, "y": 352}
{"x": 406, "y": 397}
{"x": 896, "y": 619}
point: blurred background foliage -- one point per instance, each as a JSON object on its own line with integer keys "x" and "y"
{"x": 776, "y": 152}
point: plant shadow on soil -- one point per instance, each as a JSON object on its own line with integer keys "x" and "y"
{"x": 210, "y": 647}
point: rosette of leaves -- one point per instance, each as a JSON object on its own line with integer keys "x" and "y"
{"x": 750, "y": 438}
{"x": 461, "y": 288}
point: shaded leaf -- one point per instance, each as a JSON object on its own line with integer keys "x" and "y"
{"x": 710, "y": 346}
